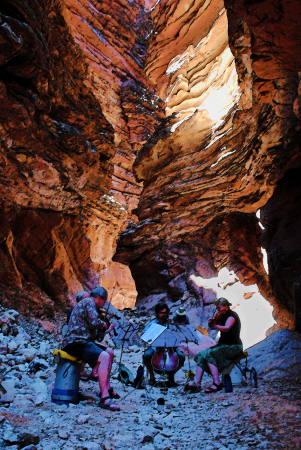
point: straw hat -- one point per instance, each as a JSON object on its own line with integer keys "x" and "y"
{"x": 181, "y": 311}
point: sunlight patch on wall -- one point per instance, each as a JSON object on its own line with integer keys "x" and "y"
{"x": 254, "y": 310}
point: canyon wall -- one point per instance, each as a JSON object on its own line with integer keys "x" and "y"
{"x": 232, "y": 132}
{"x": 76, "y": 106}
{"x": 170, "y": 123}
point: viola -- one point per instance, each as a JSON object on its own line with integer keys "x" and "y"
{"x": 165, "y": 358}
{"x": 106, "y": 319}
{"x": 216, "y": 319}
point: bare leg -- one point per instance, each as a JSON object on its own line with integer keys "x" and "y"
{"x": 198, "y": 377}
{"x": 104, "y": 366}
{"x": 214, "y": 372}
{"x": 111, "y": 353}
{"x": 82, "y": 373}
{"x": 150, "y": 371}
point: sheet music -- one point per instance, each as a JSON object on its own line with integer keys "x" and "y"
{"x": 168, "y": 338}
{"x": 159, "y": 336}
{"x": 185, "y": 332}
{"x": 152, "y": 333}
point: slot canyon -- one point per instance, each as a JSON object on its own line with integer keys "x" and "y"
{"x": 153, "y": 147}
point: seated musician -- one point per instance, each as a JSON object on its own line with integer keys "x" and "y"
{"x": 79, "y": 340}
{"x": 79, "y": 296}
{"x": 162, "y": 313}
{"x": 180, "y": 318}
{"x": 215, "y": 359}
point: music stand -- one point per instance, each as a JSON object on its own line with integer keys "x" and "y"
{"x": 187, "y": 334}
{"x": 160, "y": 336}
{"x": 125, "y": 334}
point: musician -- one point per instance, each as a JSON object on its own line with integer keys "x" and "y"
{"x": 79, "y": 296}
{"x": 162, "y": 313}
{"x": 181, "y": 318}
{"x": 215, "y": 359}
{"x": 79, "y": 342}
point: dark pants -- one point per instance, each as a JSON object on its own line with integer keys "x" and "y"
{"x": 88, "y": 352}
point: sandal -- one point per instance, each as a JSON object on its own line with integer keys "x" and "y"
{"x": 192, "y": 388}
{"x": 84, "y": 377}
{"x": 113, "y": 394}
{"x": 210, "y": 390}
{"x": 109, "y": 406}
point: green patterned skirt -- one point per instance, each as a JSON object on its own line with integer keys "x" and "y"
{"x": 219, "y": 355}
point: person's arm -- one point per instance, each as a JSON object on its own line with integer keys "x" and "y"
{"x": 228, "y": 325}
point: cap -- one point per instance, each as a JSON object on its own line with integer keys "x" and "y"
{"x": 181, "y": 311}
{"x": 99, "y": 292}
{"x": 80, "y": 295}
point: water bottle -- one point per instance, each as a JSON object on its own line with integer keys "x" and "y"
{"x": 228, "y": 383}
{"x": 9, "y": 386}
{"x": 253, "y": 377}
{"x": 161, "y": 403}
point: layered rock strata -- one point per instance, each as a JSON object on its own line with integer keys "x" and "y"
{"x": 75, "y": 107}
{"x": 232, "y": 132}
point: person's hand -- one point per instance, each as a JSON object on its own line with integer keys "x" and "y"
{"x": 110, "y": 328}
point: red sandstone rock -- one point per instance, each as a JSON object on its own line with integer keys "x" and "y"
{"x": 217, "y": 159}
{"x": 84, "y": 85}
{"x": 73, "y": 94}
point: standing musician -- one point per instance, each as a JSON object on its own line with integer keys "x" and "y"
{"x": 162, "y": 313}
{"x": 215, "y": 359}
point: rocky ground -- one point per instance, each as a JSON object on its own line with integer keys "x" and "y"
{"x": 264, "y": 418}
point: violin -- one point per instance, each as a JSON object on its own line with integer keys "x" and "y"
{"x": 216, "y": 319}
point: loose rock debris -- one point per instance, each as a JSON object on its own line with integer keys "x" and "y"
{"x": 264, "y": 418}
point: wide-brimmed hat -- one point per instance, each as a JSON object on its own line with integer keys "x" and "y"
{"x": 181, "y": 311}
{"x": 125, "y": 376}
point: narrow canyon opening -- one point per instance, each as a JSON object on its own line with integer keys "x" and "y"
{"x": 152, "y": 147}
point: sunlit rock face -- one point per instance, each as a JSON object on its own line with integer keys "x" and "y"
{"x": 75, "y": 108}
{"x": 232, "y": 131}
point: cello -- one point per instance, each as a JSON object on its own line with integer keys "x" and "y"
{"x": 165, "y": 359}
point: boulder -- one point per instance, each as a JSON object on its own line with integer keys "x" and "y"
{"x": 277, "y": 356}
{"x": 29, "y": 353}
